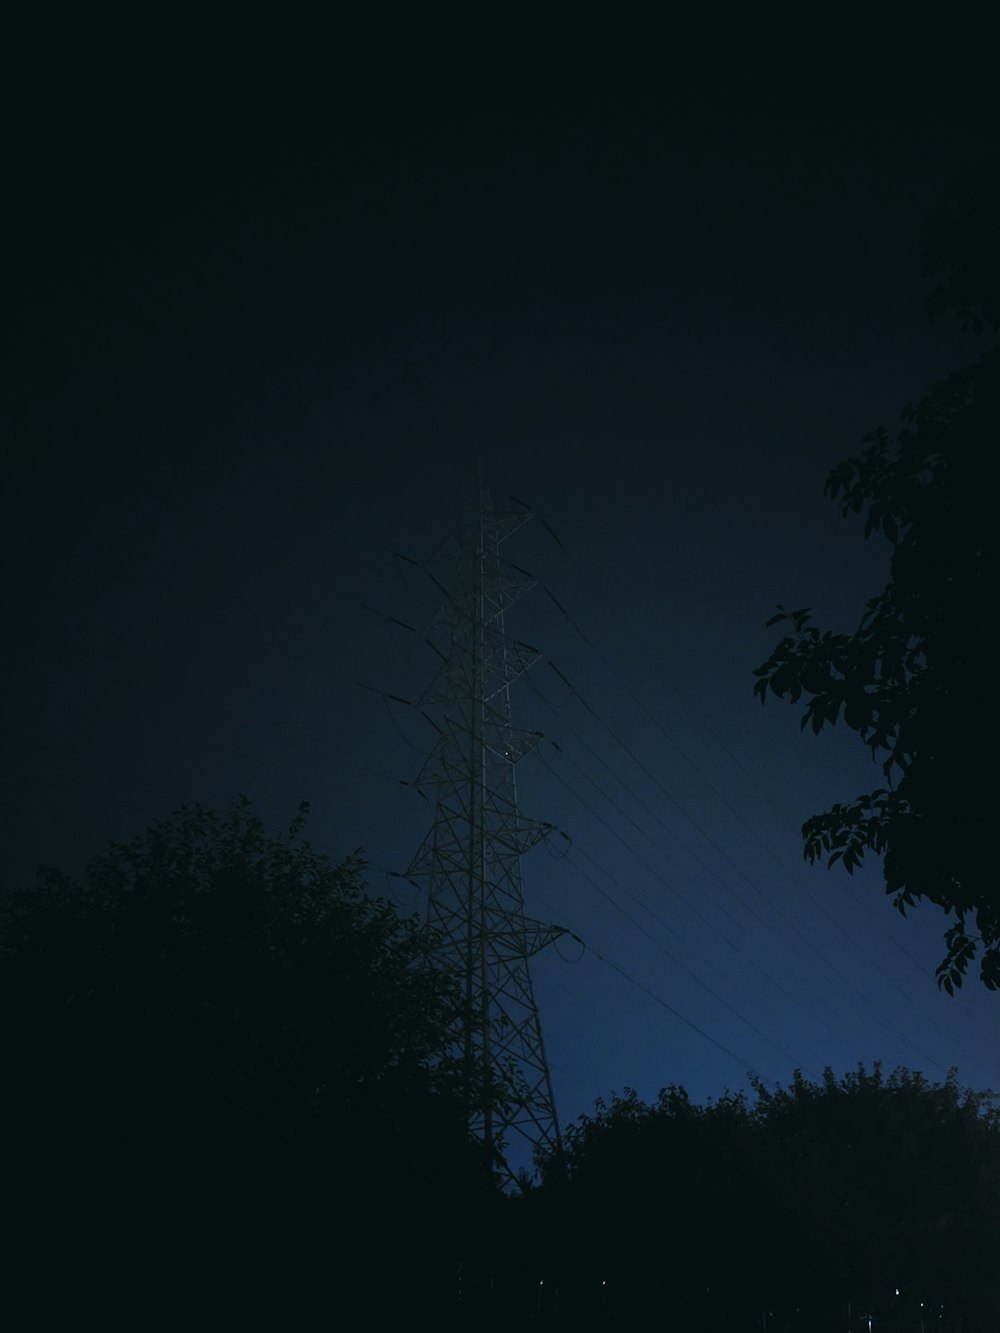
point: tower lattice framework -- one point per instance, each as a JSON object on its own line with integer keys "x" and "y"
{"x": 470, "y": 858}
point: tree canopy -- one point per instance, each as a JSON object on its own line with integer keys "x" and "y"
{"x": 872, "y": 1192}
{"x": 914, "y": 680}
{"x": 225, "y": 1046}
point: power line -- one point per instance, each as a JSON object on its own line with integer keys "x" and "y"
{"x": 852, "y": 996}
{"x": 572, "y": 692}
{"x": 678, "y": 962}
{"x": 738, "y": 869}
{"x": 658, "y": 999}
{"x": 299, "y": 656}
{"x": 876, "y": 919}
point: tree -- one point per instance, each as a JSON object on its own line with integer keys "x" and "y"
{"x": 870, "y": 1190}
{"x": 217, "y": 1043}
{"x": 651, "y": 1201}
{"x": 884, "y": 1190}
{"x": 915, "y": 679}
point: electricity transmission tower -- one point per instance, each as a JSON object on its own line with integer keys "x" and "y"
{"x": 471, "y": 855}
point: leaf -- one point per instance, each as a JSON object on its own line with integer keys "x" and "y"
{"x": 912, "y": 682}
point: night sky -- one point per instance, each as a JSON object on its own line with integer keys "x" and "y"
{"x": 273, "y": 296}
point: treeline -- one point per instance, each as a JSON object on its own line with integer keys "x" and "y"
{"x": 229, "y": 1093}
{"x": 815, "y": 1206}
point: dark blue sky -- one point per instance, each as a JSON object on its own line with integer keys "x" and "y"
{"x": 266, "y": 323}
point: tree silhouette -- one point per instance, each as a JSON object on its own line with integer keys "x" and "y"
{"x": 224, "y": 1057}
{"x": 870, "y": 1191}
{"x": 915, "y": 679}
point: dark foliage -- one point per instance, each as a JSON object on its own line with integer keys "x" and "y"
{"x": 229, "y": 1069}
{"x": 867, "y": 1193}
{"x": 914, "y": 680}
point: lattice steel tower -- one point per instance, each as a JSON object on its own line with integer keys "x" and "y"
{"x": 471, "y": 856}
